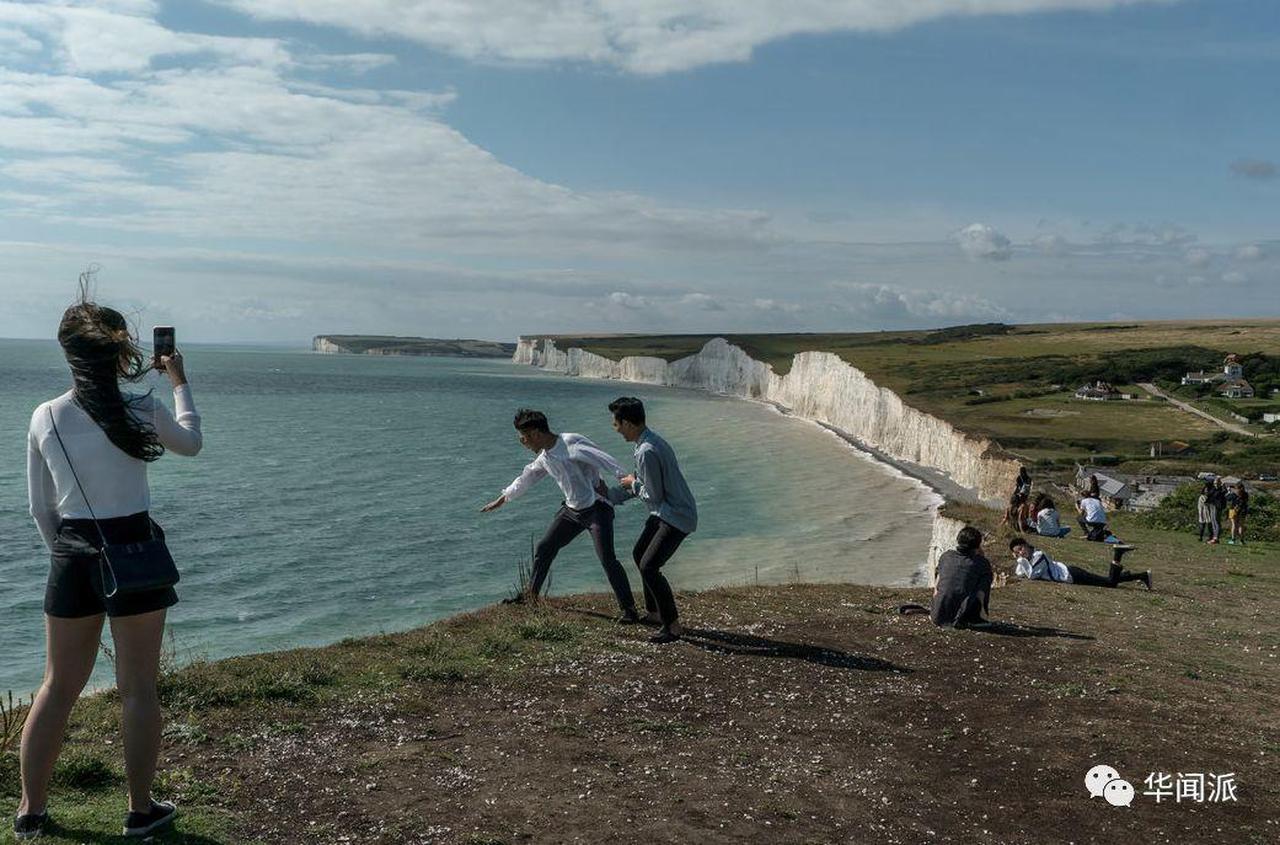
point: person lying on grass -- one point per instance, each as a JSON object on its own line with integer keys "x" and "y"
{"x": 1036, "y": 565}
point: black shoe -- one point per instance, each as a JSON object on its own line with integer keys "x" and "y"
{"x": 1119, "y": 550}
{"x": 143, "y": 824}
{"x": 30, "y": 825}
{"x": 629, "y": 617}
{"x": 516, "y": 599}
{"x": 667, "y": 634}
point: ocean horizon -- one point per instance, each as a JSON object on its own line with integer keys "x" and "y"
{"x": 339, "y": 496}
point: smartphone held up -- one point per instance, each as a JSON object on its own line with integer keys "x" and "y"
{"x": 163, "y": 343}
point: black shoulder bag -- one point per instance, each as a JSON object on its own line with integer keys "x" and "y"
{"x": 134, "y": 567}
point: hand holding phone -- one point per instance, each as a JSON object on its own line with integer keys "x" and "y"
{"x": 163, "y": 344}
{"x": 167, "y": 358}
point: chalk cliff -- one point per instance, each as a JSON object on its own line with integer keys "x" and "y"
{"x": 824, "y": 388}
{"x": 323, "y": 344}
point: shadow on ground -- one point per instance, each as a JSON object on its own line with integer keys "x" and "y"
{"x": 749, "y": 645}
{"x": 1012, "y": 629}
{"x": 172, "y": 836}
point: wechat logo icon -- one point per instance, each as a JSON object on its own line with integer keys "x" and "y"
{"x": 1105, "y": 782}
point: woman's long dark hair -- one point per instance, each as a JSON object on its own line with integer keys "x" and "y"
{"x": 101, "y": 350}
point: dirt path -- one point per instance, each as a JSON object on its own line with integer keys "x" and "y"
{"x": 1191, "y": 409}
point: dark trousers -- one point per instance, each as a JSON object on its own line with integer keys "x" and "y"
{"x": 568, "y": 524}
{"x": 1096, "y": 531}
{"x": 1114, "y": 577}
{"x": 658, "y": 542}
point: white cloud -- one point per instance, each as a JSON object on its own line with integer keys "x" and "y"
{"x": 980, "y": 241}
{"x": 1235, "y": 277}
{"x": 881, "y": 304}
{"x": 639, "y": 36}
{"x": 120, "y": 37}
{"x": 1249, "y": 252}
{"x": 353, "y": 62}
{"x": 1146, "y": 234}
{"x": 1052, "y": 244}
{"x": 1199, "y": 257}
{"x": 766, "y": 304}
{"x": 702, "y": 301}
{"x": 629, "y": 301}
{"x": 299, "y": 161}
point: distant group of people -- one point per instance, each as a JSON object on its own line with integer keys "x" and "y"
{"x": 964, "y": 574}
{"x": 1038, "y": 514}
{"x": 1214, "y": 500}
{"x": 87, "y": 457}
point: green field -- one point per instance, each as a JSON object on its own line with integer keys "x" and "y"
{"x": 1015, "y": 384}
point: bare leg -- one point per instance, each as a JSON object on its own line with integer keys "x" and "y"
{"x": 71, "y": 648}
{"x": 138, "y": 640}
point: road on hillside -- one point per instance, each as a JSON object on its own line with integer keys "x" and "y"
{"x": 1191, "y": 409}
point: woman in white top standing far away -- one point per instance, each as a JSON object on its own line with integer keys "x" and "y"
{"x": 88, "y": 452}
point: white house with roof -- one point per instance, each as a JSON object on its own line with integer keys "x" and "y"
{"x": 1230, "y": 382}
{"x": 1099, "y": 391}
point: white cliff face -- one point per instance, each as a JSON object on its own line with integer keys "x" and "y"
{"x": 820, "y": 387}
{"x": 323, "y": 344}
{"x": 945, "y": 530}
{"x": 526, "y": 350}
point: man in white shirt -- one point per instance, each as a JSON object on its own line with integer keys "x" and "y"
{"x": 1036, "y": 565}
{"x": 575, "y": 463}
{"x": 1093, "y": 519}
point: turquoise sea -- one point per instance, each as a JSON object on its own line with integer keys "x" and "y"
{"x": 340, "y": 495}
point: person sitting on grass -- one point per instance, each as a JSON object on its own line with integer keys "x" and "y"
{"x": 1093, "y": 519}
{"x": 1047, "y": 520}
{"x": 1036, "y": 565}
{"x": 963, "y": 587}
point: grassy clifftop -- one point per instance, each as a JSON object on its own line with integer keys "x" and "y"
{"x": 792, "y": 714}
{"x": 387, "y": 345}
{"x": 1015, "y": 384}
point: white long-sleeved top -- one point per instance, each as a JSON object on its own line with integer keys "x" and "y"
{"x": 115, "y": 482}
{"x": 575, "y": 463}
{"x": 1041, "y": 567}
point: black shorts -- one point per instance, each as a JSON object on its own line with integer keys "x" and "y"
{"x": 75, "y": 588}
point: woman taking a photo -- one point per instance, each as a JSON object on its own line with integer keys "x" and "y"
{"x": 87, "y": 456}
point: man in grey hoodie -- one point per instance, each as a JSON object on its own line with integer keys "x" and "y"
{"x": 673, "y": 514}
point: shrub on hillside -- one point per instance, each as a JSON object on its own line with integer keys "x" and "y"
{"x": 1178, "y": 513}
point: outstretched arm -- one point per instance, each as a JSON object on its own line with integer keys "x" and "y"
{"x": 531, "y": 475}
{"x": 591, "y": 454}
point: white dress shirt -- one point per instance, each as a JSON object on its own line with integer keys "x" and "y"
{"x": 115, "y": 482}
{"x": 1041, "y": 567}
{"x": 575, "y": 463}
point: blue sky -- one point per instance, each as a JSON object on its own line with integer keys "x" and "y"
{"x": 267, "y": 170}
